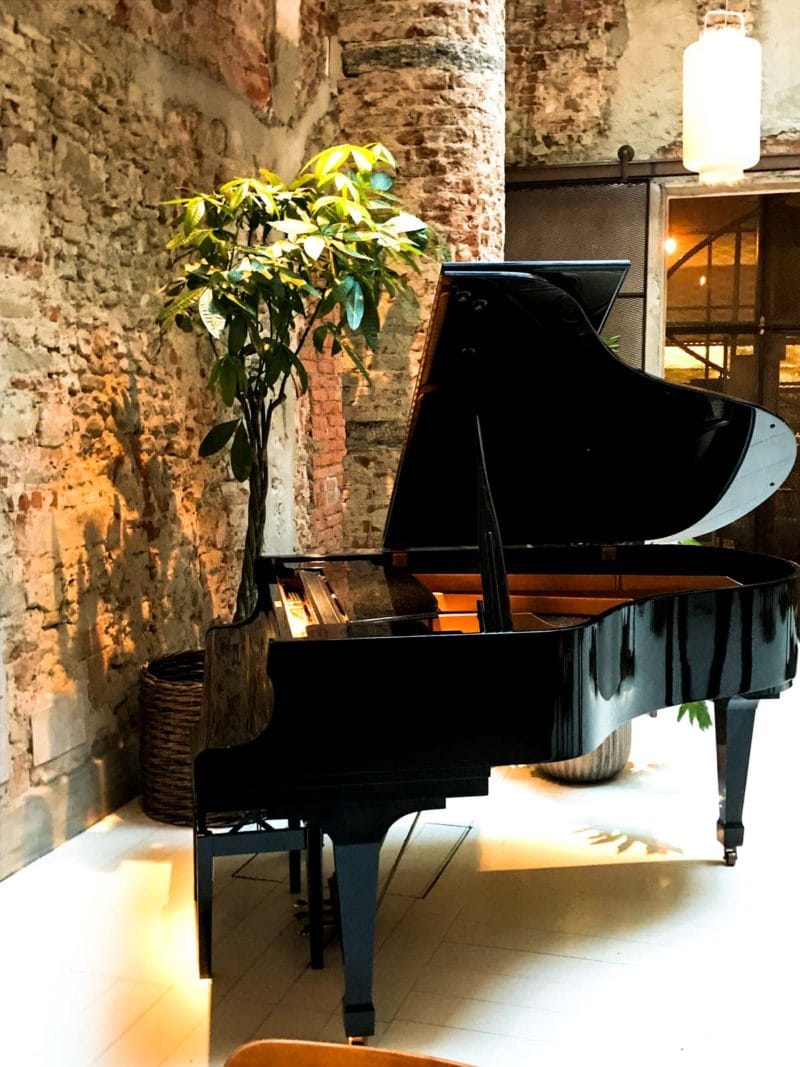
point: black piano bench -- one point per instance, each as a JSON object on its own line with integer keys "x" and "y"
{"x": 237, "y": 841}
{"x": 235, "y": 709}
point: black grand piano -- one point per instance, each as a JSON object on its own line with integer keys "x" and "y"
{"x": 530, "y": 595}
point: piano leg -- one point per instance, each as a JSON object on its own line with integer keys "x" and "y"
{"x": 294, "y": 862}
{"x": 357, "y": 890}
{"x": 316, "y": 925}
{"x": 357, "y": 831}
{"x": 203, "y": 889}
{"x": 733, "y": 720}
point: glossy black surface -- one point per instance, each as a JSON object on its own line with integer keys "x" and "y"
{"x": 457, "y": 700}
{"x": 580, "y": 448}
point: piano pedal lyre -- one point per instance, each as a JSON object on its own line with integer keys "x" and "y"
{"x": 302, "y": 914}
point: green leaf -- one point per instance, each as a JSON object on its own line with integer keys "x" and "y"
{"x": 293, "y": 226}
{"x": 343, "y": 184}
{"x": 362, "y": 157}
{"x": 379, "y": 179}
{"x": 419, "y": 238}
{"x": 380, "y": 151}
{"x": 302, "y": 376}
{"x": 217, "y": 437}
{"x": 194, "y": 214}
{"x": 319, "y": 336}
{"x": 241, "y": 455}
{"x": 228, "y": 380}
{"x": 355, "y": 213}
{"x": 403, "y": 223}
{"x": 697, "y": 713}
{"x": 354, "y": 306}
{"x": 178, "y": 305}
{"x": 181, "y": 238}
{"x": 213, "y": 319}
{"x": 237, "y": 195}
{"x": 330, "y": 159}
{"x": 237, "y": 337}
{"x": 370, "y": 325}
{"x": 313, "y": 246}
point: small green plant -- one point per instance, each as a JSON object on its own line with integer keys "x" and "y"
{"x": 697, "y": 713}
{"x": 267, "y": 266}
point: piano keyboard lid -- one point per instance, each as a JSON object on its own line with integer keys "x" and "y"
{"x": 580, "y": 448}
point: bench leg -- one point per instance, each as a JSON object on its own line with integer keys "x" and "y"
{"x": 315, "y": 902}
{"x": 204, "y": 887}
{"x": 294, "y": 861}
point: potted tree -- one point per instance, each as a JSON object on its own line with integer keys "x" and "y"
{"x": 264, "y": 268}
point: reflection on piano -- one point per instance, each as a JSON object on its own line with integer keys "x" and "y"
{"x": 530, "y": 548}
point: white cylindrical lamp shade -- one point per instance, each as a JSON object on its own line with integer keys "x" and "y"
{"x": 722, "y": 105}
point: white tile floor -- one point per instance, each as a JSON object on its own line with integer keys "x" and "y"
{"x": 573, "y": 925}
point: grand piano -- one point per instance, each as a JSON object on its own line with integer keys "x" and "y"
{"x": 530, "y": 596}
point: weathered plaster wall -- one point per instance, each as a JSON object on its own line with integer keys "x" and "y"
{"x": 428, "y": 79}
{"x": 586, "y": 76}
{"x": 116, "y": 542}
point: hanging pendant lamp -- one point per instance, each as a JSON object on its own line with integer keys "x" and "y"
{"x": 722, "y": 100}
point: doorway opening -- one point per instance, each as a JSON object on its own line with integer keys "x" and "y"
{"x": 733, "y": 326}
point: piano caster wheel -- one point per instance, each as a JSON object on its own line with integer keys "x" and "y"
{"x": 357, "y": 1041}
{"x": 730, "y": 857}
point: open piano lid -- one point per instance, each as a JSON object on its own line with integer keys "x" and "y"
{"x": 580, "y": 448}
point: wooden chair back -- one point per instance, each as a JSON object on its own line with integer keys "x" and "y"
{"x": 274, "y": 1052}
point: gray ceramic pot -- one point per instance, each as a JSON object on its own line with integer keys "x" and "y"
{"x": 602, "y": 763}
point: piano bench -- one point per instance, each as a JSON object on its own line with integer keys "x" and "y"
{"x": 235, "y": 841}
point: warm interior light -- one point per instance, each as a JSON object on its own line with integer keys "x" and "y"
{"x": 722, "y": 100}
{"x": 670, "y": 244}
{"x": 702, "y": 279}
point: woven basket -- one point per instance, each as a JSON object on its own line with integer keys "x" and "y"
{"x": 170, "y": 696}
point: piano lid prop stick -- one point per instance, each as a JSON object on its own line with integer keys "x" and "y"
{"x": 496, "y": 614}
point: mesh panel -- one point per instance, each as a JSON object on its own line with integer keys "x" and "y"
{"x": 625, "y": 322}
{"x": 591, "y": 221}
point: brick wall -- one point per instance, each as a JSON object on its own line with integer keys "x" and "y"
{"x": 116, "y": 541}
{"x": 428, "y": 79}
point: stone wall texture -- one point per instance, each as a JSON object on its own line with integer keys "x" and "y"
{"x": 428, "y": 80}
{"x": 116, "y": 542}
{"x": 586, "y": 76}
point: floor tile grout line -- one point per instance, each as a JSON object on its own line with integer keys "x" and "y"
{"x": 132, "y": 1023}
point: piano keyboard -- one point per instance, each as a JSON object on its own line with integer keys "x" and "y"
{"x": 538, "y": 601}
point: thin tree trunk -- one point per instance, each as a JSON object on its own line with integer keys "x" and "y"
{"x": 247, "y": 596}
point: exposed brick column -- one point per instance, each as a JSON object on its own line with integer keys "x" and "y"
{"x": 427, "y": 79}
{"x": 325, "y": 439}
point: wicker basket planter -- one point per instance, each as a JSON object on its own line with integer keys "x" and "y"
{"x": 170, "y": 696}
